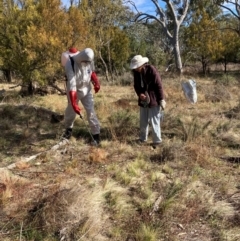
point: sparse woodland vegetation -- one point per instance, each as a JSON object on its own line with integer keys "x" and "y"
{"x": 187, "y": 189}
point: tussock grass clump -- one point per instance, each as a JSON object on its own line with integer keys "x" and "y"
{"x": 184, "y": 126}
{"x": 233, "y": 112}
{"x": 97, "y": 155}
{"x": 68, "y": 215}
{"x": 226, "y": 80}
{"x": 146, "y": 232}
{"x": 217, "y": 93}
{"x": 169, "y": 152}
{"x": 230, "y": 138}
{"x": 123, "y": 124}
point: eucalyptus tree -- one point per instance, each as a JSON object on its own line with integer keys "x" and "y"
{"x": 230, "y": 41}
{"x": 169, "y": 19}
{"x": 157, "y": 46}
{"x": 233, "y": 8}
{"x": 202, "y": 36}
{"x": 106, "y": 19}
{"x": 137, "y": 34}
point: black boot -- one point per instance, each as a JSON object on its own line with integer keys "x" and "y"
{"x": 96, "y": 138}
{"x": 68, "y": 133}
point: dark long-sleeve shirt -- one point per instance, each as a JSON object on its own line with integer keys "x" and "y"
{"x": 149, "y": 80}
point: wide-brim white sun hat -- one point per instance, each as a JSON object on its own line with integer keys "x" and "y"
{"x": 137, "y": 61}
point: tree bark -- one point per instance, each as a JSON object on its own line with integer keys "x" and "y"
{"x": 105, "y": 65}
{"x": 7, "y": 75}
{"x": 109, "y": 61}
{"x": 176, "y": 50}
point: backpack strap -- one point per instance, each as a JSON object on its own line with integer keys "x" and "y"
{"x": 72, "y": 62}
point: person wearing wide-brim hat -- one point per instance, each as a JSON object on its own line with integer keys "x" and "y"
{"x": 149, "y": 89}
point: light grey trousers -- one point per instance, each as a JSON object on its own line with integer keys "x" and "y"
{"x": 88, "y": 104}
{"x": 150, "y": 116}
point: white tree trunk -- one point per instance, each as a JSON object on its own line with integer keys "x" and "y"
{"x": 176, "y": 51}
{"x": 178, "y": 13}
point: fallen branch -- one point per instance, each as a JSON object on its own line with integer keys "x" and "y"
{"x": 234, "y": 159}
{"x": 15, "y": 86}
{"x": 31, "y": 158}
{"x": 156, "y": 205}
{"x": 37, "y": 171}
{"x": 63, "y": 92}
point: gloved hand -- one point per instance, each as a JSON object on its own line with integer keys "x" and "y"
{"x": 163, "y": 104}
{"x": 95, "y": 82}
{"x": 73, "y": 99}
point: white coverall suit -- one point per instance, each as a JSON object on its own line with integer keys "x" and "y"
{"x": 79, "y": 81}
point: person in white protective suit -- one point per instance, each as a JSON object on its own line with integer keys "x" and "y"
{"x": 79, "y": 70}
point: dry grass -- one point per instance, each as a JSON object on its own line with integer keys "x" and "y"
{"x": 186, "y": 189}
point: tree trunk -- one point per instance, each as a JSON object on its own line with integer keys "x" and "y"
{"x": 204, "y": 66}
{"x": 176, "y": 50}
{"x": 109, "y": 61}
{"x": 225, "y": 65}
{"x": 30, "y": 88}
{"x": 7, "y": 75}
{"x": 105, "y": 65}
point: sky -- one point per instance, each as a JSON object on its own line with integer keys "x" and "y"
{"x": 142, "y": 5}
{"x": 145, "y": 5}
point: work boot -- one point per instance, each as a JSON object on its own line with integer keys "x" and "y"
{"x": 96, "y": 138}
{"x": 155, "y": 145}
{"x": 68, "y": 133}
